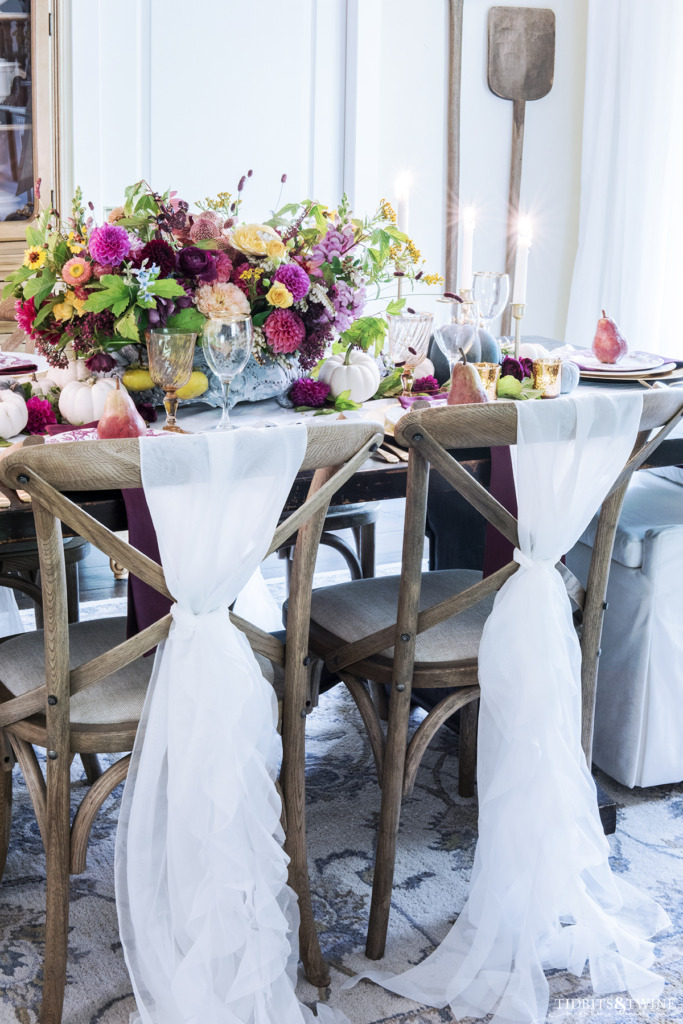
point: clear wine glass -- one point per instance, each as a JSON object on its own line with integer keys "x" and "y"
{"x": 409, "y": 335}
{"x": 170, "y": 353}
{"x": 227, "y": 347}
{"x": 491, "y": 291}
{"x": 456, "y": 338}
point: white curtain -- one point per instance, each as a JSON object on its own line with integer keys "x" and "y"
{"x": 542, "y": 893}
{"x": 207, "y": 922}
{"x": 10, "y": 619}
{"x": 630, "y": 258}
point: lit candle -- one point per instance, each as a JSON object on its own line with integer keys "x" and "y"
{"x": 467, "y": 249}
{"x": 524, "y": 237}
{"x": 402, "y": 188}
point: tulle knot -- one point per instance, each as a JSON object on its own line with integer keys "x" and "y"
{"x": 528, "y": 563}
{"x": 187, "y": 619}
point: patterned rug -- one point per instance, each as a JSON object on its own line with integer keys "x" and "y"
{"x": 435, "y": 853}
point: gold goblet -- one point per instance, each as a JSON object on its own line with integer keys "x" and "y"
{"x": 170, "y": 353}
{"x": 409, "y": 335}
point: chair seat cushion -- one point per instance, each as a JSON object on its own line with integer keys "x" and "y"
{"x": 116, "y": 699}
{"x": 349, "y": 611}
{"x": 652, "y": 505}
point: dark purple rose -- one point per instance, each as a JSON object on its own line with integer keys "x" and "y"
{"x": 101, "y": 362}
{"x": 512, "y": 368}
{"x": 197, "y": 263}
{"x": 527, "y": 366}
{"x": 147, "y": 411}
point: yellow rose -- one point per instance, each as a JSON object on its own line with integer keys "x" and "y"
{"x": 275, "y": 248}
{"x": 253, "y": 239}
{"x": 63, "y": 311}
{"x": 280, "y": 296}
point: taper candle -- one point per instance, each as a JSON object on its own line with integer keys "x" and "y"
{"x": 468, "y": 224}
{"x": 524, "y": 237}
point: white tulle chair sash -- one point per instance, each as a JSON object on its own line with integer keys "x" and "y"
{"x": 542, "y": 894}
{"x": 207, "y": 921}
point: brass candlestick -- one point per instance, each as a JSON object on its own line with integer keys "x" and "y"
{"x": 517, "y": 314}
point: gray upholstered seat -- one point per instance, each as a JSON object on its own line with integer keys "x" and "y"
{"x": 350, "y": 611}
{"x": 118, "y": 698}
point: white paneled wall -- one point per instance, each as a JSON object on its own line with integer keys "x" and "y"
{"x": 339, "y": 94}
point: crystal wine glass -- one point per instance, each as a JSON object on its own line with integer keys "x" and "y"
{"x": 170, "y": 353}
{"x": 409, "y": 335}
{"x": 456, "y": 338}
{"x": 491, "y": 291}
{"x": 227, "y": 347}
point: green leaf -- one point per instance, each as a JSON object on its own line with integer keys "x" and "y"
{"x": 190, "y": 320}
{"x": 324, "y": 412}
{"x": 132, "y": 222}
{"x": 34, "y": 237}
{"x": 509, "y": 387}
{"x": 390, "y": 386}
{"x": 260, "y": 318}
{"x": 4, "y": 443}
{"x": 364, "y": 332}
{"x": 395, "y": 306}
{"x": 205, "y": 243}
{"x": 120, "y": 306}
{"x": 146, "y": 202}
{"x": 114, "y": 283}
{"x": 343, "y": 402}
{"x": 166, "y": 288}
{"x": 61, "y": 254}
{"x": 40, "y": 287}
{"x": 127, "y": 326}
{"x": 46, "y": 310}
{"x": 99, "y": 301}
{"x": 393, "y": 231}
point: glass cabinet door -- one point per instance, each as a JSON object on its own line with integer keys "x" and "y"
{"x": 17, "y": 170}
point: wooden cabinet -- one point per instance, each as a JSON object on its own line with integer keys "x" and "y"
{"x": 28, "y": 117}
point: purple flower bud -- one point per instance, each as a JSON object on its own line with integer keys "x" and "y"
{"x": 283, "y": 179}
{"x": 91, "y": 205}
{"x": 452, "y": 295}
{"x": 242, "y": 183}
{"x": 249, "y": 174}
{"x": 101, "y": 362}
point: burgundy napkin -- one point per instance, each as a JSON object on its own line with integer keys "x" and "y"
{"x": 62, "y": 428}
{"x": 407, "y": 400}
{"x": 11, "y": 371}
{"x": 145, "y": 604}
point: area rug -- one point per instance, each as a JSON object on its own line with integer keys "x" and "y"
{"x": 435, "y": 853}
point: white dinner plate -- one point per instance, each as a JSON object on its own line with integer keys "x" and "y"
{"x": 632, "y": 362}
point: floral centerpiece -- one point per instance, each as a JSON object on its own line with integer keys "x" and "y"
{"x": 303, "y": 275}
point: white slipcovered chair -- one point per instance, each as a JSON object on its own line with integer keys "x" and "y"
{"x": 638, "y": 737}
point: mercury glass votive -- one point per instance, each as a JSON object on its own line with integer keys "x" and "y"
{"x": 489, "y": 373}
{"x": 548, "y": 377}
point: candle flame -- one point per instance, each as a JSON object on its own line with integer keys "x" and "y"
{"x": 402, "y": 185}
{"x": 468, "y": 216}
{"x": 524, "y": 230}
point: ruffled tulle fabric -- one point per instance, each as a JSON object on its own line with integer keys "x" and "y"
{"x": 208, "y": 924}
{"x": 542, "y": 893}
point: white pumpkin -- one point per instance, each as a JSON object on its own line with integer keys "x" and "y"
{"x": 13, "y": 413}
{"x": 76, "y": 370}
{"x": 527, "y": 350}
{"x": 360, "y": 375}
{"x": 82, "y": 401}
{"x": 425, "y": 369}
{"x": 43, "y": 386}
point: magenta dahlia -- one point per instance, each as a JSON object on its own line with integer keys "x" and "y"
{"x": 426, "y": 385}
{"x": 284, "y": 330}
{"x": 307, "y": 391}
{"x": 295, "y": 280}
{"x": 109, "y": 244}
{"x": 25, "y": 313}
{"x": 40, "y": 413}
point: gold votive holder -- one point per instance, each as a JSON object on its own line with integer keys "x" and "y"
{"x": 548, "y": 377}
{"x": 489, "y": 373}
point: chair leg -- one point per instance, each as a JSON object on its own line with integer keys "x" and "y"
{"x": 5, "y": 802}
{"x": 380, "y": 700}
{"x": 72, "y": 592}
{"x": 57, "y": 916}
{"x": 467, "y": 759}
{"x": 365, "y": 541}
{"x": 389, "y": 815}
{"x": 91, "y": 766}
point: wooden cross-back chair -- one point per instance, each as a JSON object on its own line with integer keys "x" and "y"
{"x": 423, "y": 629}
{"x": 80, "y": 688}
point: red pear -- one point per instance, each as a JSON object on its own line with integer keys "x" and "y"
{"x": 466, "y": 386}
{"x": 120, "y": 418}
{"x": 609, "y": 344}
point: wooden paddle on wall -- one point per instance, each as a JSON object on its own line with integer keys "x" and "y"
{"x": 521, "y": 65}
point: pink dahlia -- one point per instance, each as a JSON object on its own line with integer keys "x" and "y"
{"x": 109, "y": 244}
{"x": 294, "y": 279}
{"x": 307, "y": 391}
{"x": 284, "y": 330}
{"x": 76, "y": 271}
{"x": 100, "y": 269}
{"x": 40, "y": 413}
{"x": 25, "y": 313}
{"x": 223, "y": 268}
